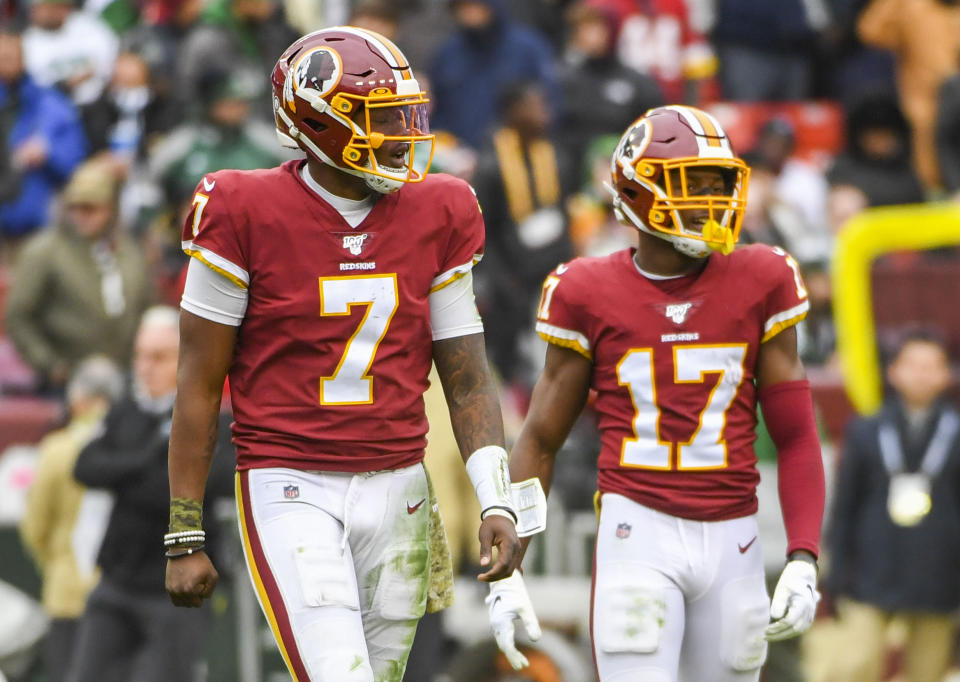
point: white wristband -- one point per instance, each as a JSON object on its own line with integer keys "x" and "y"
{"x": 488, "y": 471}
{"x": 497, "y": 511}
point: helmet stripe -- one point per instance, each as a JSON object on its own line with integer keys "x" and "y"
{"x": 688, "y": 116}
{"x": 390, "y": 52}
{"x": 709, "y": 128}
{"x": 702, "y": 124}
{"x": 712, "y": 141}
{"x": 391, "y": 48}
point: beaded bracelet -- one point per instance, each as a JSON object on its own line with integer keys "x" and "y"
{"x": 185, "y": 537}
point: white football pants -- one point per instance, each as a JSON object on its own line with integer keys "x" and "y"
{"x": 675, "y": 599}
{"x": 340, "y": 565}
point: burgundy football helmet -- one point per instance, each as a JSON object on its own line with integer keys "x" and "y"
{"x": 650, "y": 185}
{"x": 342, "y": 93}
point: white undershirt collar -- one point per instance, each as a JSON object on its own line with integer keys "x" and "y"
{"x": 353, "y": 210}
{"x": 650, "y": 275}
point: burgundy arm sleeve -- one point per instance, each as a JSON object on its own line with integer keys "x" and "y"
{"x": 788, "y": 412}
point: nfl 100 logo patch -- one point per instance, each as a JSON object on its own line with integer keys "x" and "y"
{"x": 623, "y": 530}
{"x": 291, "y": 492}
{"x": 354, "y": 242}
{"x": 678, "y": 312}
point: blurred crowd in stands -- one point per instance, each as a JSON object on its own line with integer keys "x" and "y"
{"x": 111, "y": 112}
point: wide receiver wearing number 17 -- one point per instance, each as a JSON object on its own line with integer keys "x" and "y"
{"x": 680, "y": 338}
{"x": 326, "y": 287}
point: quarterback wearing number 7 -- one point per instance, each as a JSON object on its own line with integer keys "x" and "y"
{"x": 325, "y": 287}
{"x": 680, "y": 338}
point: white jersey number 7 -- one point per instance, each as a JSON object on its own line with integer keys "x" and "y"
{"x": 351, "y": 383}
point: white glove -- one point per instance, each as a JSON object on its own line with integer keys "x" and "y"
{"x": 794, "y": 601}
{"x": 508, "y": 600}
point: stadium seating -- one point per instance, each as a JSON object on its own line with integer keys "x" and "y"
{"x": 909, "y": 289}
{"x": 917, "y": 289}
{"x": 26, "y": 419}
{"x": 819, "y": 126}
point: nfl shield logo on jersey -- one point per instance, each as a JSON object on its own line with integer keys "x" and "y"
{"x": 291, "y": 492}
{"x": 354, "y": 243}
{"x": 623, "y": 530}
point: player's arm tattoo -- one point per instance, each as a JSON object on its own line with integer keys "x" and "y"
{"x": 470, "y": 391}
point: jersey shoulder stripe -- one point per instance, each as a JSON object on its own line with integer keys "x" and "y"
{"x": 565, "y": 338}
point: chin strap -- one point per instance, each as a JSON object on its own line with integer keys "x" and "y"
{"x": 377, "y": 183}
{"x": 720, "y": 237}
{"x": 381, "y": 184}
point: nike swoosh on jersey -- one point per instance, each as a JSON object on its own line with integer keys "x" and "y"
{"x": 744, "y": 548}
{"x": 208, "y": 185}
{"x": 415, "y": 507}
{"x": 562, "y": 268}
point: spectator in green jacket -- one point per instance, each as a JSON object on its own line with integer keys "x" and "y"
{"x": 225, "y": 136}
{"x": 80, "y": 287}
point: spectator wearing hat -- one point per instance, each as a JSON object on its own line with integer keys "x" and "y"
{"x": 69, "y": 48}
{"x": 797, "y": 188}
{"x": 877, "y": 161}
{"x": 80, "y": 287}
{"x": 41, "y": 142}
{"x": 158, "y": 38}
{"x": 602, "y": 95}
{"x": 224, "y": 136}
{"x": 231, "y": 35}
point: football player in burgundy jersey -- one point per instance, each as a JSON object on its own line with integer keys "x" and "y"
{"x": 680, "y": 339}
{"x": 325, "y": 288}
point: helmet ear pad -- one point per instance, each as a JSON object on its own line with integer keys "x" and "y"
{"x": 641, "y": 200}
{"x": 694, "y": 248}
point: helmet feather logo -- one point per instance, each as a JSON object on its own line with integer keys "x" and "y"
{"x": 635, "y": 142}
{"x": 320, "y": 69}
